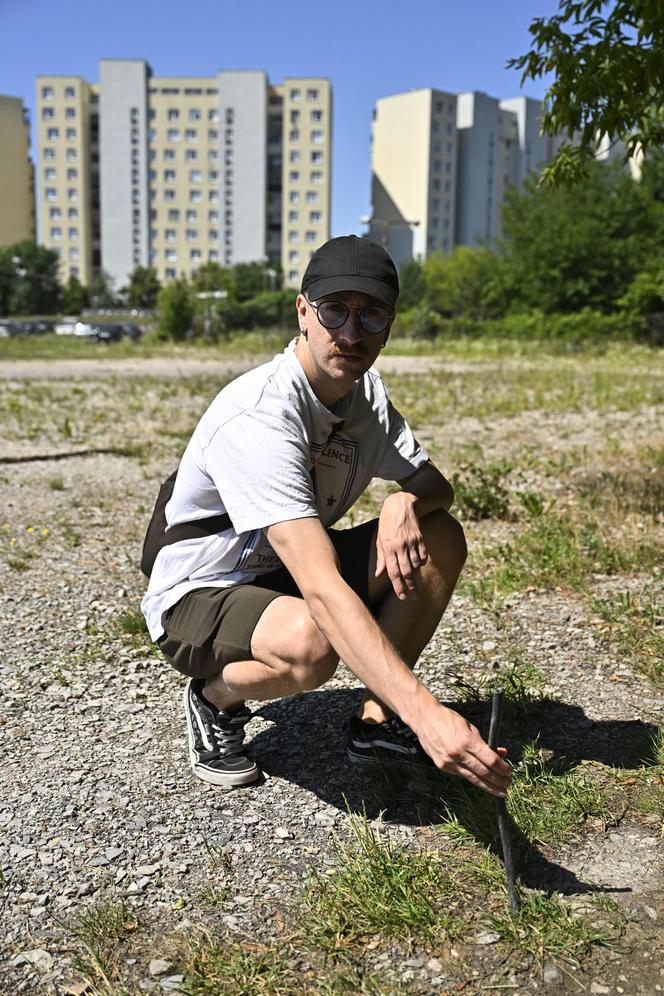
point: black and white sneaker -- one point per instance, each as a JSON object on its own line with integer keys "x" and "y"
{"x": 377, "y": 745}
{"x": 215, "y": 740}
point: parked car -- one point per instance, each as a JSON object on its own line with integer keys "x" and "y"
{"x": 8, "y": 328}
{"x": 132, "y": 330}
{"x": 66, "y": 326}
{"x": 106, "y": 331}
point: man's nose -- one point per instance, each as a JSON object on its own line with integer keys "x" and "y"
{"x": 351, "y": 328}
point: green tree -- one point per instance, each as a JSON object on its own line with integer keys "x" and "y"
{"x": 252, "y": 279}
{"x": 458, "y": 284}
{"x": 411, "y": 285}
{"x": 74, "y": 297}
{"x": 143, "y": 288}
{"x": 101, "y": 290}
{"x": 645, "y": 294}
{"x": 212, "y": 276}
{"x": 29, "y": 282}
{"x": 175, "y": 304}
{"x": 570, "y": 248}
{"x": 609, "y": 78}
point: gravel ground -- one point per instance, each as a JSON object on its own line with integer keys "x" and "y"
{"x": 96, "y": 797}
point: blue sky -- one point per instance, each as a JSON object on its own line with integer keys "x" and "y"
{"x": 368, "y": 48}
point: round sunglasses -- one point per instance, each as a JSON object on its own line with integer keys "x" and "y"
{"x": 374, "y": 319}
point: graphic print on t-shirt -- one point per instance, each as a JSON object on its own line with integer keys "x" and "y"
{"x": 335, "y": 467}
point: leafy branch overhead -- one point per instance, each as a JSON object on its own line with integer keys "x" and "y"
{"x": 608, "y": 63}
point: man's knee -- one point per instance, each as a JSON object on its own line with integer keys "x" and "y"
{"x": 312, "y": 660}
{"x": 445, "y": 539}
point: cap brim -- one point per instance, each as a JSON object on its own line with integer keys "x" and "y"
{"x": 362, "y": 285}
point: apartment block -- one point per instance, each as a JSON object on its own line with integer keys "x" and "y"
{"x": 68, "y": 173}
{"x": 442, "y": 163}
{"x": 17, "y": 198}
{"x": 413, "y": 167}
{"x": 188, "y": 170}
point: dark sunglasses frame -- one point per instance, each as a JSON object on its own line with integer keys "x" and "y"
{"x": 359, "y": 311}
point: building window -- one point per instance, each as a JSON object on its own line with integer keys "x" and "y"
{"x": 47, "y": 113}
{"x": 213, "y": 155}
{"x": 293, "y": 216}
{"x": 169, "y": 155}
{"x": 169, "y": 176}
{"x": 213, "y": 235}
{"x": 213, "y": 256}
{"x": 54, "y": 212}
{"x": 72, "y": 214}
{"x": 170, "y": 273}
{"x": 294, "y": 196}
{"x": 152, "y": 154}
{"x": 70, "y": 134}
{"x": 316, "y": 176}
{"x": 74, "y": 254}
{"x": 72, "y": 154}
{"x": 173, "y": 134}
{"x": 72, "y": 173}
{"x": 317, "y": 137}
{"x": 213, "y": 217}
{"x": 195, "y": 176}
{"x": 152, "y": 114}
{"x": 294, "y": 156}
{"x": 171, "y": 256}
{"x": 293, "y": 176}
{"x": 194, "y": 114}
{"x": 314, "y": 217}
{"x": 56, "y": 233}
{"x": 170, "y": 235}
{"x": 172, "y": 114}
{"x": 213, "y": 135}
{"x": 293, "y": 276}
{"x": 192, "y": 235}
{"x": 72, "y": 194}
{"x": 194, "y": 196}
{"x": 169, "y": 195}
{"x": 194, "y": 255}
{"x": 49, "y": 173}
{"x": 70, "y": 112}
{"x": 191, "y": 155}
{"x": 312, "y": 94}
{"x": 173, "y": 214}
{"x": 293, "y": 256}
{"x": 47, "y": 93}
{"x": 213, "y": 196}
{"x": 213, "y": 114}
{"x": 49, "y": 153}
{"x": 312, "y": 196}
{"x": 213, "y": 176}
{"x": 73, "y": 234}
{"x": 310, "y": 236}
{"x": 52, "y": 133}
{"x": 191, "y": 135}
{"x": 295, "y": 95}
{"x": 152, "y": 134}
{"x": 229, "y": 116}
{"x": 73, "y": 271}
{"x": 316, "y": 156}
{"x": 192, "y": 215}
{"x": 292, "y": 235}
{"x": 316, "y": 116}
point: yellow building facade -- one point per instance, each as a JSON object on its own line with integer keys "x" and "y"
{"x": 17, "y": 202}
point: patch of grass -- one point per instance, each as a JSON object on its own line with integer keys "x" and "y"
{"x": 640, "y": 491}
{"x": 100, "y": 932}
{"x": 545, "y": 929}
{"x": 479, "y": 492}
{"x": 130, "y": 623}
{"x": 70, "y": 535}
{"x": 378, "y": 888}
{"x": 56, "y": 483}
{"x": 546, "y": 805}
{"x": 636, "y": 627}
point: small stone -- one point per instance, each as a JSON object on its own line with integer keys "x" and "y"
{"x": 597, "y": 987}
{"x": 159, "y": 966}
{"x": 37, "y": 957}
{"x": 147, "y": 869}
{"x": 551, "y": 973}
{"x": 435, "y": 965}
{"x": 282, "y": 833}
{"x": 86, "y": 888}
{"x": 173, "y": 982}
{"x": 488, "y": 645}
{"x": 111, "y": 853}
{"x": 650, "y": 912}
{"x": 488, "y": 937}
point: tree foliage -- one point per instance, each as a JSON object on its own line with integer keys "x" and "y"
{"x": 459, "y": 283}
{"x": 143, "y": 288}
{"x": 176, "y": 309}
{"x": 74, "y": 297}
{"x": 29, "y": 280}
{"x": 609, "y": 79}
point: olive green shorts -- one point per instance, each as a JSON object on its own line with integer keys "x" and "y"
{"x": 210, "y": 627}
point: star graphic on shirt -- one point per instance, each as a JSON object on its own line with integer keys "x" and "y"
{"x": 330, "y": 501}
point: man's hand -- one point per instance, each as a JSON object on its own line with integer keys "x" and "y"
{"x": 456, "y": 747}
{"x": 400, "y": 547}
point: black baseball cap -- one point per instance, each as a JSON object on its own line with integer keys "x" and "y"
{"x": 349, "y": 263}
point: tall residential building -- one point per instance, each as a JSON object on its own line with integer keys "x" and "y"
{"x": 441, "y": 164}
{"x": 413, "y": 169}
{"x": 181, "y": 171}
{"x": 17, "y": 197}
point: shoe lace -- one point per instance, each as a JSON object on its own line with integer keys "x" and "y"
{"x": 402, "y": 729}
{"x": 230, "y": 737}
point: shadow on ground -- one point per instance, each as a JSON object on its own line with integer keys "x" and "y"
{"x": 306, "y": 745}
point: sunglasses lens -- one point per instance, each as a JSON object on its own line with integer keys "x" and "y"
{"x": 374, "y": 319}
{"x": 332, "y": 314}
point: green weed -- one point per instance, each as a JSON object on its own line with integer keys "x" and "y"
{"x": 130, "y": 623}
{"x": 381, "y": 889}
{"x": 100, "y": 932}
{"x": 479, "y": 492}
{"x": 636, "y": 627}
{"x": 56, "y": 483}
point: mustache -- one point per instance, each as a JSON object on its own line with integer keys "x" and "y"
{"x": 350, "y": 352}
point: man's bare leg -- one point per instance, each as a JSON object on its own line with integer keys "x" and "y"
{"x": 409, "y": 624}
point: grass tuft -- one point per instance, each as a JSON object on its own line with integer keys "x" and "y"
{"x": 100, "y": 932}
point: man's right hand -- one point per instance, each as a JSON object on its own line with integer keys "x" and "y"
{"x": 456, "y": 747}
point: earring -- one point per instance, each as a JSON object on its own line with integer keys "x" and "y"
{"x": 304, "y": 333}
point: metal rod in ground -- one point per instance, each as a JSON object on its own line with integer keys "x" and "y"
{"x": 501, "y": 809}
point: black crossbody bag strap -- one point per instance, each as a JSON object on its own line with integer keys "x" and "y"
{"x": 158, "y": 535}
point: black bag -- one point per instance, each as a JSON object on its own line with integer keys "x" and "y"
{"x": 158, "y": 536}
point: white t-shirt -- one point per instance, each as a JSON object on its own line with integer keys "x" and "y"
{"x": 267, "y": 450}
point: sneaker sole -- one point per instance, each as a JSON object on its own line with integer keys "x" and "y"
{"x": 210, "y": 775}
{"x": 388, "y": 761}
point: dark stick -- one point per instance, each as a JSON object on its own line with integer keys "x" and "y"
{"x": 501, "y": 809}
